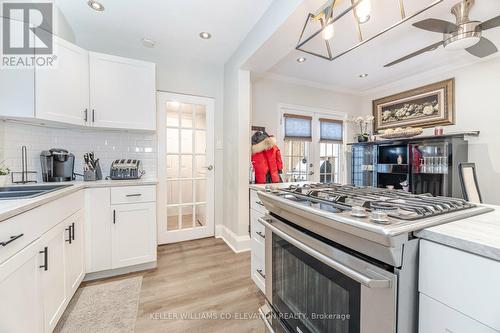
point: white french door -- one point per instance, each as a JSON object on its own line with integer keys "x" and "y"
{"x": 311, "y": 159}
{"x": 185, "y": 167}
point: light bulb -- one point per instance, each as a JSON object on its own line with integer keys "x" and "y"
{"x": 328, "y": 32}
{"x": 363, "y": 10}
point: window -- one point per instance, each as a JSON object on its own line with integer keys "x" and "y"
{"x": 312, "y": 147}
{"x": 331, "y": 138}
{"x": 298, "y": 134}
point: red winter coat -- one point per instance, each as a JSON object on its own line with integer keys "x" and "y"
{"x": 266, "y": 160}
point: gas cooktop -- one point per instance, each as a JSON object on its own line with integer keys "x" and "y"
{"x": 356, "y": 210}
{"x": 379, "y": 204}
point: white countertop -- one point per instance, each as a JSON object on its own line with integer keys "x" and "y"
{"x": 478, "y": 234}
{"x": 10, "y": 208}
{"x": 259, "y": 187}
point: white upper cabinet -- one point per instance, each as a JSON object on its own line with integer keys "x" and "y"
{"x": 122, "y": 92}
{"x": 62, "y": 92}
{"x": 17, "y": 86}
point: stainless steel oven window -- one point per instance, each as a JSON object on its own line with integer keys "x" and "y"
{"x": 310, "y": 296}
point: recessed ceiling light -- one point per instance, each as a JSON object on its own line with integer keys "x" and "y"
{"x": 301, "y": 59}
{"x": 96, "y": 5}
{"x": 363, "y": 75}
{"x": 147, "y": 42}
{"x": 205, "y": 35}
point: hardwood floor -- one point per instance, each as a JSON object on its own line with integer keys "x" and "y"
{"x": 196, "y": 284}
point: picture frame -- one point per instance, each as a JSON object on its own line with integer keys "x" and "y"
{"x": 427, "y": 106}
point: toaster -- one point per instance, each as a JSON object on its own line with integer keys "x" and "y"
{"x": 126, "y": 169}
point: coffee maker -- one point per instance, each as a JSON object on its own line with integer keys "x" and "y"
{"x": 58, "y": 165}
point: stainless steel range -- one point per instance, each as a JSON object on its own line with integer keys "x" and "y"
{"x": 344, "y": 259}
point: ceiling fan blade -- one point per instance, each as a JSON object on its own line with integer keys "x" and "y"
{"x": 483, "y": 48}
{"x": 416, "y": 53}
{"x": 491, "y": 23}
{"x": 436, "y": 25}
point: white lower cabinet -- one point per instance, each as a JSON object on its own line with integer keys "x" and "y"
{"x": 52, "y": 275}
{"x": 258, "y": 235}
{"x": 124, "y": 234}
{"x": 134, "y": 234}
{"x": 20, "y": 292}
{"x": 74, "y": 252}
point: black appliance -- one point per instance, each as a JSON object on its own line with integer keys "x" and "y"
{"x": 58, "y": 165}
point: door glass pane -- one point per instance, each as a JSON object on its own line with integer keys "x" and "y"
{"x": 172, "y": 166}
{"x": 187, "y": 141}
{"x": 187, "y": 115}
{"x": 172, "y": 114}
{"x": 172, "y": 140}
{"x": 200, "y": 166}
{"x": 200, "y": 190}
{"x": 200, "y": 142}
{"x": 200, "y": 215}
{"x": 186, "y": 166}
{"x": 187, "y": 191}
{"x": 187, "y": 217}
{"x": 173, "y": 218}
{"x": 172, "y": 192}
{"x": 200, "y": 117}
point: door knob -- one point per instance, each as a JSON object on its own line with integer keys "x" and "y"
{"x": 311, "y": 173}
{"x": 210, "y": 167}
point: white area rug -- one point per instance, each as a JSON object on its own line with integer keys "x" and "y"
{"x": 104, "y": 308}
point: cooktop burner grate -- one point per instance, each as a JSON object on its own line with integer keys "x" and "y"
{"x": 397, "y": 204}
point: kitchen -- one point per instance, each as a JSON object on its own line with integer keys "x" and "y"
{"x": 186, "y": 244}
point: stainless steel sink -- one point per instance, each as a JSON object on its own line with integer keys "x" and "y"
{"x": 27, "y": 191}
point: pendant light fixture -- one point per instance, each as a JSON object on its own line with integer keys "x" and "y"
{"x": 363, "y": 11}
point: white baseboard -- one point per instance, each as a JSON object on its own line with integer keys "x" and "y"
{"x": 119, "y": 271}
{"x": 236, "y": 243}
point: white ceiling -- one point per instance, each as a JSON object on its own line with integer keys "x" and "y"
{"x": 173, "y": 24}
{"x": 343, "y": 73}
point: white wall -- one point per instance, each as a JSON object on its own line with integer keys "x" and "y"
{"x": 477, "y": 107}
{"x": 268, "y": 93}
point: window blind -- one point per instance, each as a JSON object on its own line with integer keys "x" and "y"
{"x": 331, "y": 130}
{"x": 297, "y": 127}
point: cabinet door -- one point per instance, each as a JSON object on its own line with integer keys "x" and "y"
{"x": 62, "y": 92}
{"x": 74, "y": 253}
{"x": 134, "y": 234}
{"x": 21, "y": 309}
{"x": 52, "y": 275}
{"x": 122, "y": 92}
{"x": 98, "y": 224}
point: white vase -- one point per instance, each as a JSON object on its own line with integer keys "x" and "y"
{"x": 4, "y": 180}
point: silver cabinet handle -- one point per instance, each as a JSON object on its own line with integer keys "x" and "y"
{"x": 134, "y": 195}
{"x": 86, "y": 112}
{"x": 260, "y": 234}
{"x": 261, "y": 273}
{"x": 93, "y": 115}
{"x": 353, "y": 274}
{"x": 259, "y": 203}
{"x": 210, "y": 167}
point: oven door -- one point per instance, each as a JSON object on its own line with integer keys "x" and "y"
{"x": 312, "y": 286}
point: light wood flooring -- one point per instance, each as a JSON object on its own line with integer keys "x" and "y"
{"x": 198, "y": 279}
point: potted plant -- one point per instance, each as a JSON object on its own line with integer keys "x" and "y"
{"x": 363, "y": 123}
{"x": 4, "y": 174}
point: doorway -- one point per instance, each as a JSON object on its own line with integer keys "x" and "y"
{"x": 185, "y": 167}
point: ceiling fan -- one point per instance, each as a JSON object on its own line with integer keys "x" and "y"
{"x": 464, "y": 34}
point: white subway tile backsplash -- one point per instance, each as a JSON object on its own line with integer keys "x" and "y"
{"x": 107, "y": 145}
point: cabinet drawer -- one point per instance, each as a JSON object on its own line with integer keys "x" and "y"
{"x": 133, "y": 194}
{"x": 435, "y": 317}
{"x": 19, "y": 231}
{"x": 258, "y": 230}
{"x": 256, "y": 203}
{"x": 465, "y": 282}
{"x": 258, "y": 272}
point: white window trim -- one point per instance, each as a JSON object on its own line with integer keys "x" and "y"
{"x": 316, "y": 114}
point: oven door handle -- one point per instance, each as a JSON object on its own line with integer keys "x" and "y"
{"x": 369, "y": 282}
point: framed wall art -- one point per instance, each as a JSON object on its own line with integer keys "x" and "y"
{"x": 427, "y": 106}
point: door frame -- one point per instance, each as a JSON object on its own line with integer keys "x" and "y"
{"x": 166, "y": 237}
{"x": 315, "y": 113}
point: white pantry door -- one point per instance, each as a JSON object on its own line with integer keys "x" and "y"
{"x": 185, "y": 167}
